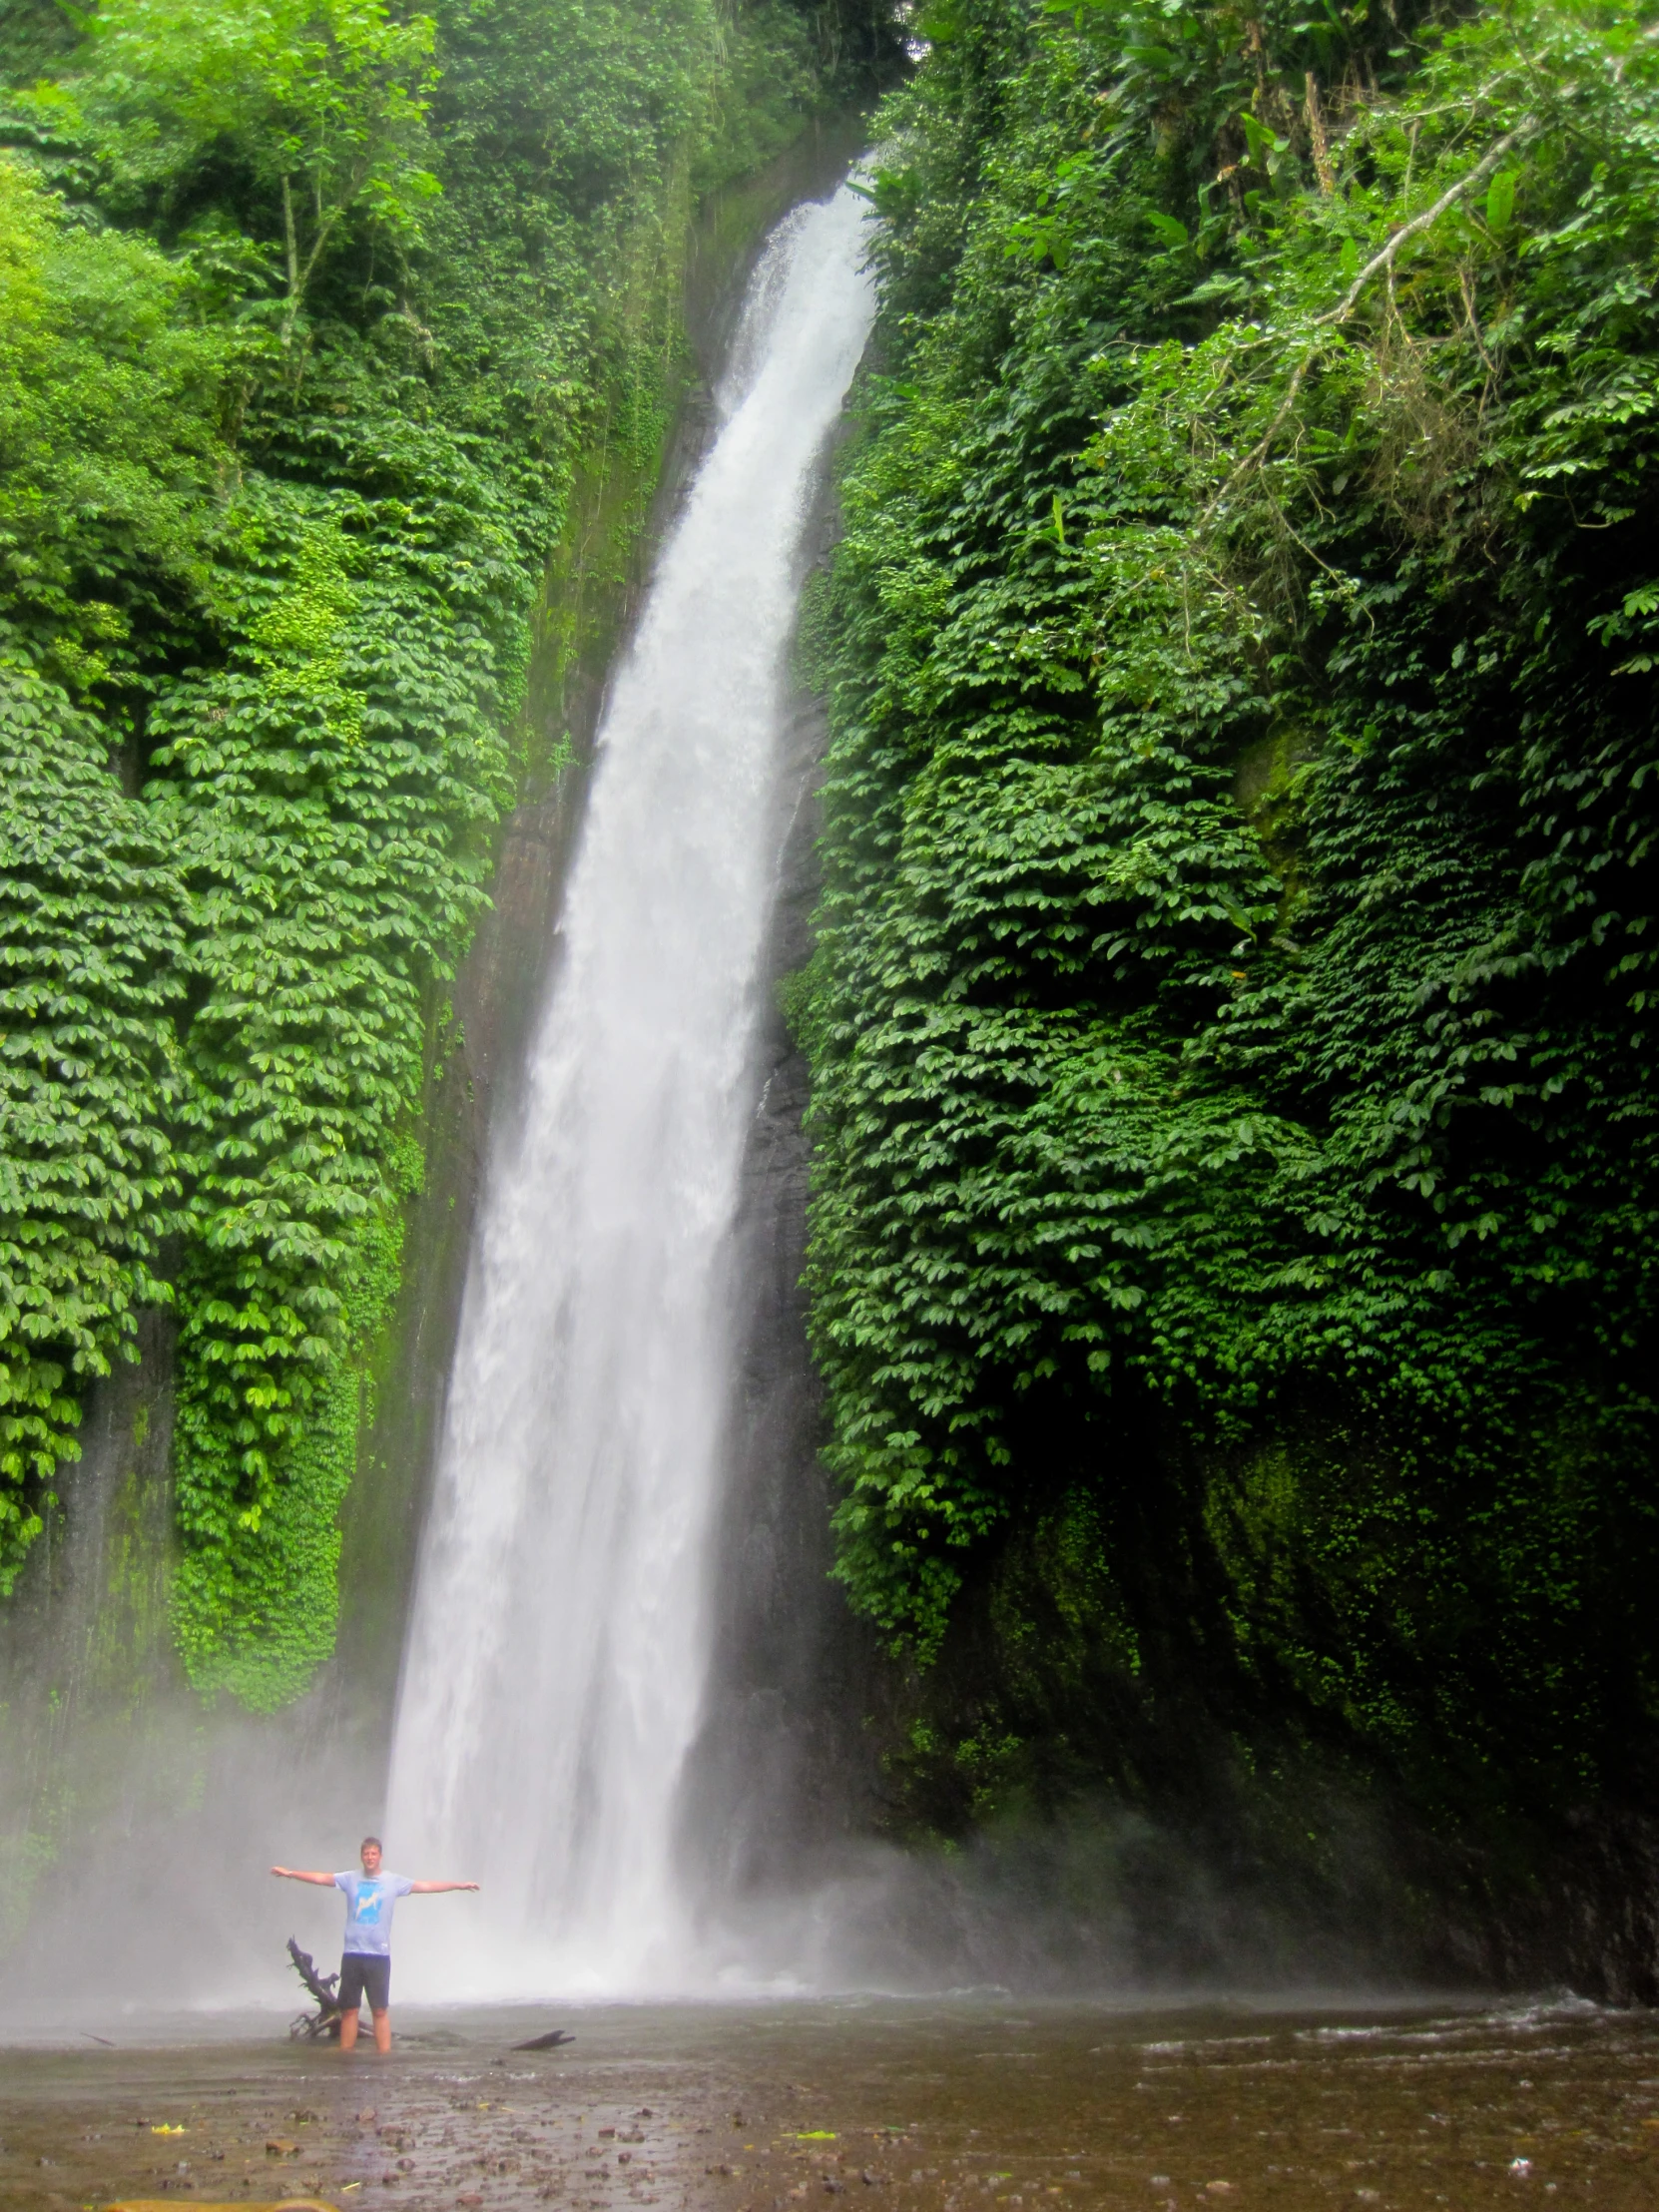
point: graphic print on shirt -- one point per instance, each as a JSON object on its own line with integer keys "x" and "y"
{"x": 369, "y": 1909}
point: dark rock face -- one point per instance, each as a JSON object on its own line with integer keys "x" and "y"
{"x": 83, "y": 1651}
{"x": 782, "y": 1771}
{"x": 1584, "y": 1913}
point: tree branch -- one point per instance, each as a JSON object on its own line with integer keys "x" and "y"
{"x": 1379, "y": 263}
{"x": 1420, "y": 222}
{"x": 290, "y": 239}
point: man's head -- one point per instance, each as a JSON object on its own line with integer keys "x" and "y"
{"x": 370, "y": 1852}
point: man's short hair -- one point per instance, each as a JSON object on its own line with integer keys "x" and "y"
{"x": 367, "y": 1839}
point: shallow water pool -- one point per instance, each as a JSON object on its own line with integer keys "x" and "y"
{"x": 919, "y": 2106}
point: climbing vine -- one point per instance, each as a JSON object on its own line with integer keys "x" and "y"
{"x": 1231, "y": 1021}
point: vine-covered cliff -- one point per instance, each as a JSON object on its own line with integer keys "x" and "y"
{"x": 1231, "y": 1023}
{"x": 328, "y": 329}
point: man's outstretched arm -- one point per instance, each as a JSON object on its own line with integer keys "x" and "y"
{"x": 293, "y": 1874}
{"x": 431, "y": 1889}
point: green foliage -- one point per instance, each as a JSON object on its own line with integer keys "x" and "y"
{"x": 320, "y": 792}
{"x": 1232, "y": 1024}
{"x": 109, "y": 423}
{"x": 313, "y": 320}
{"x": 87, "y": 983}
{"x": 34, "y": 34}
{"x": 320, "y": 104}
{"x": 106, "y": 451}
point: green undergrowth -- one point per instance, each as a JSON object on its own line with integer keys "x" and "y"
{"x": 319, "y": 322}
{"x": 1231, "y": 1023}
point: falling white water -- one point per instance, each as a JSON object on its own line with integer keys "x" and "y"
{"x": 557, "y": 1656}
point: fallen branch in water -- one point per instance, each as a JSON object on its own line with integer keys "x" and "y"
{"x": 325, "y": 2019}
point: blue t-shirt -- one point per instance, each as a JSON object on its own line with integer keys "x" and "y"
{"x": 369, "y": 1901}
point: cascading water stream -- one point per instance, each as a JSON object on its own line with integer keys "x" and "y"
{"x": 558, "y": 1651}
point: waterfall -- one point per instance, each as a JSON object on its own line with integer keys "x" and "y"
{"x": 558, "y": 1649}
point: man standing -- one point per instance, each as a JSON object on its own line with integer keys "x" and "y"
{"x": 366, "y": 1967}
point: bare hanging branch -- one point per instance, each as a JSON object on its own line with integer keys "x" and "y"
{"x": 1420, "y": 222}
{"x": 1378, "y": 263}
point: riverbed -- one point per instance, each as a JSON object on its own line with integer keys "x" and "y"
{"x": 916, "y": 2106}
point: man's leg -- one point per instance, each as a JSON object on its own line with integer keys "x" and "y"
{"x": 348, "y": 1997}
{"x": 378, "y": 1990}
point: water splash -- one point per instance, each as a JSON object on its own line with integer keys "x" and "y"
{"x": 558, "y": 1650}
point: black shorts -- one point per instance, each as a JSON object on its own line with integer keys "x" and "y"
{"x": 361, "y": 1976}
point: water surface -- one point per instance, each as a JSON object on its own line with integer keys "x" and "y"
{"x": 922, "y": 2106}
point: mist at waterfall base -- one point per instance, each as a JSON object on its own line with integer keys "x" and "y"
{"x": 582, "y": 1726}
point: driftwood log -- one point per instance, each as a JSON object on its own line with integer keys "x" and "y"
{"x": 314, "y": 2028}
{"x": 324, "y": 2021}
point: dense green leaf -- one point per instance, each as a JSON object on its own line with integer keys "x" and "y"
{"x": 1232, "y": 1024}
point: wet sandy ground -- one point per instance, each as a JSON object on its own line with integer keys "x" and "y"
{"x": 899, "y": 2106}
